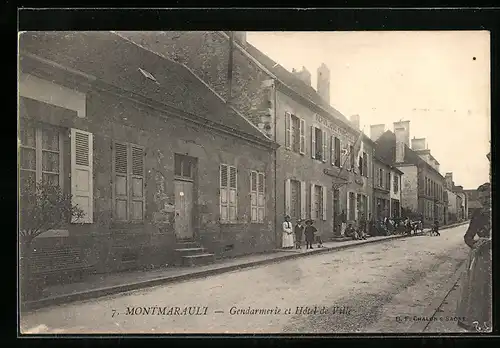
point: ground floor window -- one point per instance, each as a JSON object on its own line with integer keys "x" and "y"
{"x": 318, "y": 202}
{"x": 295, "y": 204}
{"x": 352, "y": 206}
{"x": 395, "y": 208}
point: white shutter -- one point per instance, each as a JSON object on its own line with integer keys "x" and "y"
{"x": 313, "y": 142}
{"x": 288, "y": 130}
{"x": 224, "y": 193}
{"x": 81, "y": 173}
{"x": 253, "y": 196}
{"x": 313, "y": 212}
{"x": 303, "y": 200}
{"x": 233, "y": 194}
{"x": 324, "y": 138}
{"x": 261, "y": 184}
{"x": 302, "y": 146}
{"x": 332, "y": 150}
{"x": 324, "y": 194}
{"x": 137, "y": 178}
{"x": 287, "y": 196}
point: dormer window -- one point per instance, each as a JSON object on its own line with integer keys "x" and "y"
{"x": 148, "y": 75}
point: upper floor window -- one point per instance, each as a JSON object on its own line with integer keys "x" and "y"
{"x": 388, "y": 180}
{"x": 380, "y": 177}
{"x": 396, "y": 183}
{"x": 318, "y": 144}
{"x": 295, "y": 133}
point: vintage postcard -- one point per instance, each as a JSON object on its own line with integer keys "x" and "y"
{"x": 254, "y": 182}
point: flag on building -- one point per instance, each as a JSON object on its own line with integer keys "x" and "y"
{"x": 357, "y": 151}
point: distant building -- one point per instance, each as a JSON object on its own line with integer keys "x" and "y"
{"x": 422, "y": 184}
{"x": 386, "y": 190}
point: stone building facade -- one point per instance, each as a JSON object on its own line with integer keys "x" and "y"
{"x": 387, "y": 190}
{"x": 313, "y": 176}
{"x": 152, "y": 154}
{"x": 423, "y": 187}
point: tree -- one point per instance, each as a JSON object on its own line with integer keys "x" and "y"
{"x": 43, "y": 206}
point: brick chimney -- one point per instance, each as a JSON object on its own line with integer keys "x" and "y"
{"x": 324, "y": 82}
{"x": 402, "y": 132}
{"x": 355, "y": 121}
{"x": 303, "y": 75}
{"x": 376, "y": 131}
{"x": 418, "y": 144}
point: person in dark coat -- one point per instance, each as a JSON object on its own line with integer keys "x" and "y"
{"x": 474, "y": 307}
{"x": 299, "y": 231}
{"x": 309, "y": 232}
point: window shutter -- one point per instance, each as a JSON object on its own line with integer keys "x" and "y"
{"x": 324, "y": 139}
{"x": 288, "y": 128}
{"x": 324, "y": 195}
{"x": 287, "y": 197}
{"x": 137, "y": 196}
{"x": 261, "y": 197}
{"x": 313, "y": 212}
{"x": 332, "y": 150}
{"x": 365, "y": 164}
{"x": 337, "y": 152}
{"x": 120, "y": 182}
{"x": 224, "y": 193}
{"x": 313, "y": 142}
{"x": 233, "y": 190}
{"x": 253, "y": 196}
{"x": 302, "y": 146}
{"x": 303, "y": 199}
{"x": 82, "y": 174}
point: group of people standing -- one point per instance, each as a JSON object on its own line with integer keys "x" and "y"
{"x": 293, "y": 235}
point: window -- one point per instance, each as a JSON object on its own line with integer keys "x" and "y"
{"x": 294, "y": 133}
{"x": 352, "y": 206}
{"x": 388, "y": 180}
{"x": 295, "y": 204}
{"x": 337, "y": 152}
{"x": 359, "y": 205}
{"x": 318, "y": 144}
{"x": 380, "y": 177}
{"x": 228, "y": 193}
{"x": 183, "y": 168}
{"x": 257, "y": 185}
{"x": 352, "y": 157}
{"x": 365, "y": 165}
{"x": 396, "y": 183}
{"x": 318, "y": 201}
{"x": 360, "y": 165}
{"x": 129, "y": 183}
{"x": 40, "y": 154}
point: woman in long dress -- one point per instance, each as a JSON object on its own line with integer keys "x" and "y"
{"x": 287, "y": 239}
{"x": 475, "y": 304}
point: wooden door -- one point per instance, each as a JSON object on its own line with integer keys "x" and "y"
{"x": 183, "y": 209}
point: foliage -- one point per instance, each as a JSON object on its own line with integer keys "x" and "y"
{"x": 44, "y": 206}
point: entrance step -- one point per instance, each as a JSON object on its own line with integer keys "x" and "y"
{"x": 190, "y": 251}
{"x": 198, "y": 259}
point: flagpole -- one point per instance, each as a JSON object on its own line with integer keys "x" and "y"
{"x": 348, "y": 155}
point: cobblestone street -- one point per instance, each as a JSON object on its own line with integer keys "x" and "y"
{"x": 364, "y": 289}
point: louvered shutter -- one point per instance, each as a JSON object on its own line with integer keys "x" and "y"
{"x": 324, "y": 143}
{"x": 253, "y": 196}
{"x": 233, "y": 199}
{"x": 337, "y": 152}
{"x": 261, "y": 184}
{"x": 302, "y": 146}
{"x": 288, "y": 128}
{"x": 365, "y": 164}
{"x": 324, "y": 197}
{"x": 332, "y": 150}
{"x": 313, "y": 142}
{"x": 287, "y": 196}
{"x": 120, "y": 182}
{"x": 303, "y": 199}
{"x": 137, "y": 196}
{"x": 313, "y": 201}
{"x": 81, "y": 173}
{"x": 224, "y": 193}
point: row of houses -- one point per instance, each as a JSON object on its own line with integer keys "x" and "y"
{"x": 189, "y": 146}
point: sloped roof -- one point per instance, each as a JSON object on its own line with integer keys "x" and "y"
{"x": 117, "y": 61}
{"x": 386, "y": 149}
{"x": 292, "y": 81}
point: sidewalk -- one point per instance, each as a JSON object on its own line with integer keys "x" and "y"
{"x": 107, "y": 284}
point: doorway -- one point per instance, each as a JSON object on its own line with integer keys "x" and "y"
{"x": 183, "y": 209}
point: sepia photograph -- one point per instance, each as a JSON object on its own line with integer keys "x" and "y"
{"x": 254, "y": 182}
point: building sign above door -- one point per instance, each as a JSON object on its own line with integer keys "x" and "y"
{"x": 337, "y": 131}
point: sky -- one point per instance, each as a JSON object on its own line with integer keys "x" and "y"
{"x": 439, "y": 81}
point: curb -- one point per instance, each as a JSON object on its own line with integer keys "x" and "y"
{"x": 95, "y": 293}
{"x": 432, "y": 309}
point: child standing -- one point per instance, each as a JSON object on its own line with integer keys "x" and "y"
{"x": 309, "y": 232}
{"x": 299, "y": 230}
